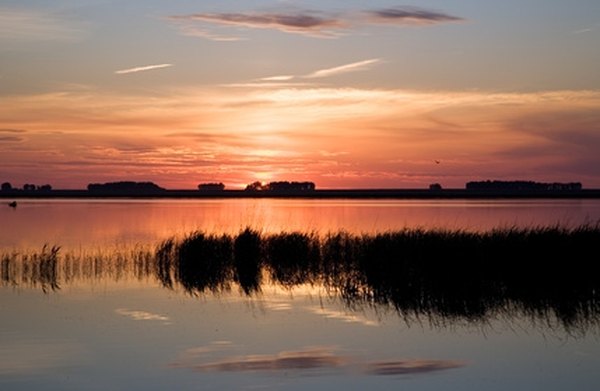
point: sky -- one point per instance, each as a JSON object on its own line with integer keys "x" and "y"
{"x": 347, "y": 94}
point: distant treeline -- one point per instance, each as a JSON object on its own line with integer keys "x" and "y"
{"x": 281, "y": 186}
{"x": 125, "y": 187}
{"x": 211, "y": 186}
{"x": 275, "y": 187}
{"x": 28, "y": 187}
{"x": 522, "y": 186}
{"x": 308, "y": 189}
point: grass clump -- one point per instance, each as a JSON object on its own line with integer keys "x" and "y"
{"x": 541, "y": 272}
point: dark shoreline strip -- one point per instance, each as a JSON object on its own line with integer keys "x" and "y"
{"x": 315, "y": 194}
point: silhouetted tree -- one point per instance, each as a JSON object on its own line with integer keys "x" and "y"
{"x": 281, "y": 186}
{"x": 211, "y": 186}
{"x": 254, "y": 186}
{"x": 522, "y": 186}
{"x": 285, "y": 186}
{"x": 125, "y": 187}
{"x": 6, "y": 186}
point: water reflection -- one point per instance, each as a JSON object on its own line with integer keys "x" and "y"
{"x": 310, "y": 358}
{"x": 35, "y": 268}
{"x": 313, "y": 359}
{"x": 448, "y": 276}
{"x": 406, "y": 367}
{"x": 143, "y": 315}
{"x": 91, "y": 223}
{"x": 50, "y": 268}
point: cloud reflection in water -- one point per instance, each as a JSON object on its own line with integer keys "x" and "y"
{"x": 407, "y": 367}
{"x": 142, "y": 315}
{"x": 342, "y": 316}
{"x": 311, "y": 358}
{"x": 314, "y": 359}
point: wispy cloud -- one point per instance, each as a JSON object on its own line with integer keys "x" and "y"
{"x": 352, "y": 67}
{"x": 142, "y": 69}
{"x": 407, "y": 15}
{"x": 193, "y": 31}
{"x": 330, "y": 154}
{"x": 304, "y": 22}
{"x": 288, "y": 80}
{"x": 585, "y": 30}
{"x": 262, "y": 84}
{"x": 35, "y": 25}
{"x": 278, "y": 78}
{"x": 5, "y": 130}
{"x": 11, "y": 139}
{"x": 315, "y": 23}
{"x": 11, "y": 135}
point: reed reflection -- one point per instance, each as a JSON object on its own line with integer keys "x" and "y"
{"x": 544, "y": 273}
{"x": 50, "y": 268}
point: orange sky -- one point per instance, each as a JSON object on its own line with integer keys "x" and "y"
{"x": 336, "y": 137}
{"x": 346, "y": 94}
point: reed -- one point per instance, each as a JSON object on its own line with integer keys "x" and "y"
{"x": 448, "y": 274}
{"x": 539, "y": 272}
{"x": 293, "y": 258}
{"x": 204, "y": 262}
{"x": 248, "y": 260}
{"x": 35, "y": 269}
{"x": 51, "y": 267}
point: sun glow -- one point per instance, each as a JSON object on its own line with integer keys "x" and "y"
{"x": 264, "y": 177}
{"x": 334, "y": 137}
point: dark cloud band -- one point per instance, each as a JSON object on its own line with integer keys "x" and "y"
{"x": 410, "y": 15}
{"x": 320, "y": 24}
{"x": 303, "y": 23}
{"x": 5, "y": 130}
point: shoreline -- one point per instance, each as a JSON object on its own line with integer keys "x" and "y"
{"x": 314, "y": 194}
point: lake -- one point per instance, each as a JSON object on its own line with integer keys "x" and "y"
{"x": 104, "y": 319}
{"x": 108, "y": 222}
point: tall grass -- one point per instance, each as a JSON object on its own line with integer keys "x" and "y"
{"x": 36, "y": 269}
{"x": 248, "y": 260}
{"x": 50, "y": 267}
{"x": 447, "y": 274}
{"x": 539, "y": 271}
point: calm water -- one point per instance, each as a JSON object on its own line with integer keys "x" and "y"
{"x": 108, "y": 222}
{"x": 123, "y": 330}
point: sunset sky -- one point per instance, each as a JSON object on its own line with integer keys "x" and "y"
{"x": 348, "y": 94}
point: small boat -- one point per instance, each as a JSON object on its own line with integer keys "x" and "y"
{"x": 13, "y": 204}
